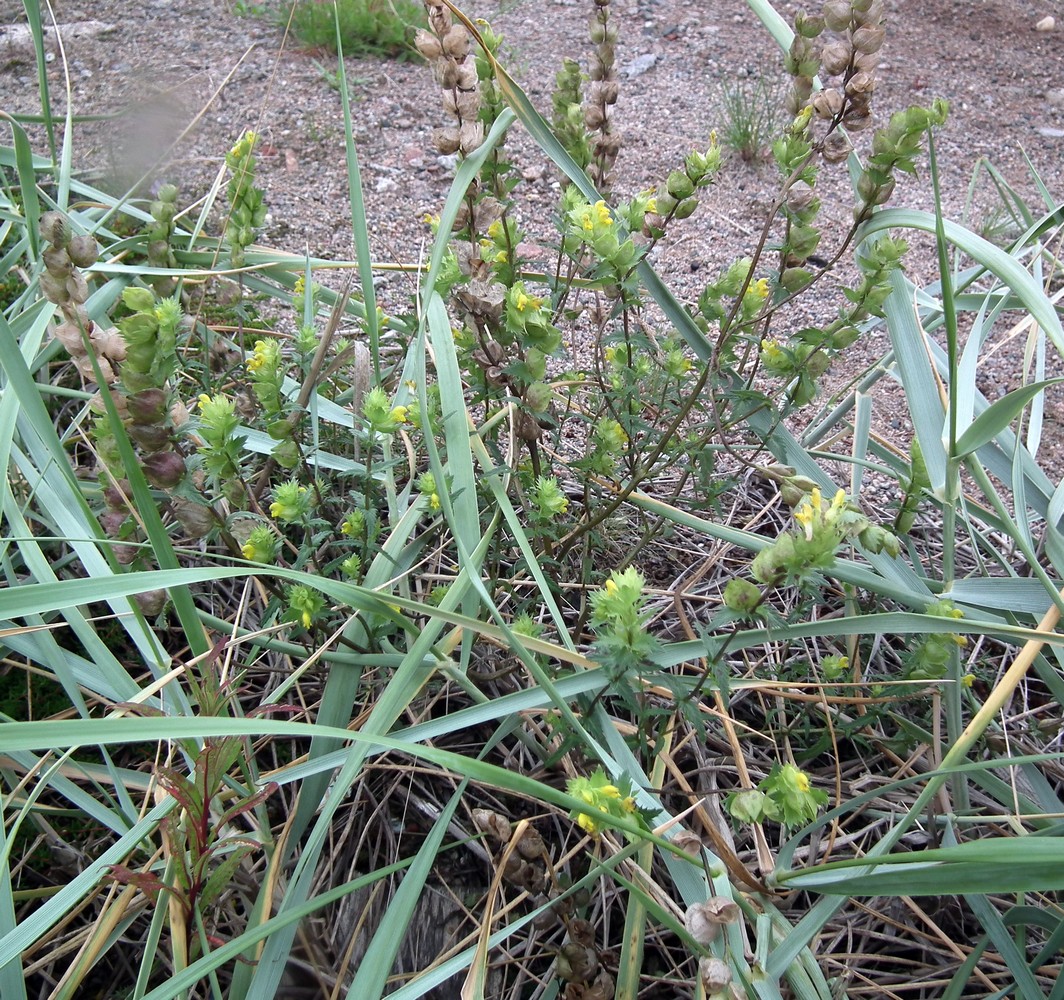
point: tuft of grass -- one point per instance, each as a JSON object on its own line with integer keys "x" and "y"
{"x": 366, "y": 27}
{"x": 753, "y": 113}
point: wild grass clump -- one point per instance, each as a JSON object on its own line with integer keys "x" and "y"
{"x": 365, "y": 27}
{"x": 356, "y": 612}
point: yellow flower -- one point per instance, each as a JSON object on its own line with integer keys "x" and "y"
{"x": 495, "y": 229}
{"x": 502, "y": 257}
{"x": 968, "y": 680}
{"x": 806, "y": 514}
{"x": 587, "y": 824}
{"x": 522, "y": 301}
{"x": 652, "y": 206}
{"x": 399, "y": 414}
{"x": 307, "y": 619}
{"x": 611, "y": 588}
{"x": 801, "y": 781}
{"x": 611, "y": 353}
{"x": 603, "y": 214}
{"x": 760, "y": 288}
{"x": 258, "y": 359}
{"x": 247, "y": 550}
{"x": 434, "y": 501}
{"x": 204, "y": 400}
{"x": 771, "y": 350}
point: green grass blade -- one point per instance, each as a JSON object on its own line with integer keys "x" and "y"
{"x": 998, "y": 415}
{"x": 359, "y": 228}
{"x": 377, "y": 962}
{"x": 1006, "y": 268}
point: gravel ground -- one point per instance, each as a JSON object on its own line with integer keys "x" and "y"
{"x": 184, "y": 80}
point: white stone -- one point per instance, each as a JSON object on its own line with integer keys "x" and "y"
{"x": 1048, "y": 23}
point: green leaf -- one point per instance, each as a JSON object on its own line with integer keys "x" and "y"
{"x": 1004, "y": 864}
{"x": 998, "y": 415}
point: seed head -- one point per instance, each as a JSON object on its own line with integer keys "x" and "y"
{"x": 869, "y": 38}
{"x": 828, "y": 103}
{"x": 715, "y": 974}
{"x": 55, "y": 229}
{"x": 837, "y": 14}
{"x": 835, "y": 58}
{"x": 83, "y": 251}
{"x": 836, "y": 147}
{"x": 427, "y": 44}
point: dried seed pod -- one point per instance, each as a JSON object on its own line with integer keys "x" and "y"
{"x": 828, "y": 103}
{"x": 869, "y": 38}
{"x": 124, "y": 554}
{"x": 83, "y": 251}
{"x": 150, "y": 437}
{"x": 471, "y": 137}
{"x": 427, "y": 44}
{"x": 857, "y": 119}
{"x": 604, "y": 92}
{"x": 865, "y": 62}
{"x": 577, "y": 963}
{"x": 456, "y": 41}
{"x": 835, "y": 59}
{"x": 147, "y": 406}
{"x": 69, "y": 336}
{"x": 116, "y": 495}
{"x": 77, "y": 288}
{"x": 514, "y": 870}
{"x": 836, "y": 147}
{"x": 467, "y": 103}
{"x": 112, "y": 522}
{"x": 837, "y": 14}
{"x": 872, "y": 15}
{"x": 594, "y": 116}
{"x": 800, "y": 196}
{"x": 54, "y": 288}
{"x": 445, "y": 72}
{"x": 527, "y": 427}
{"x": 108, "y": 342}
{"x": 106, "y": 372}
{"x": 58, "y": 262}
{"x": 196, "y": 519}
{"x": 546, "y": 918}
{"x": 860, "y": 83}
{"x": 467, "y": 75}
{"x": 715, "y": 974}
{"x": 55, "y": 229}
{"x": 582, "y": 932}
{"x": 151, "y": 602}
{"x": 493, "y": 823}
{"x": 688, "y": 842}
{"x": 446, "y": 140}
{"x": 802, "y": 87}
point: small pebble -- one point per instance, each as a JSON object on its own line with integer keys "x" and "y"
{"x": 1048, "y": 23}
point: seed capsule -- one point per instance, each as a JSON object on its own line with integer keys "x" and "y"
{"x": 837, "y": 14}
{"x": 83, "y": 251}
{"x": 55, "y": 229}
{"x": 427, "y": 44}
{"x": 835, "y": 58}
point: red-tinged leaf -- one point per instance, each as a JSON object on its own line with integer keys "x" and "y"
{"x": 148, "y": 883}
{"x": 180, "y": 788}
{"x": 222, "y": 876}
{"x": 249, "y": 803}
